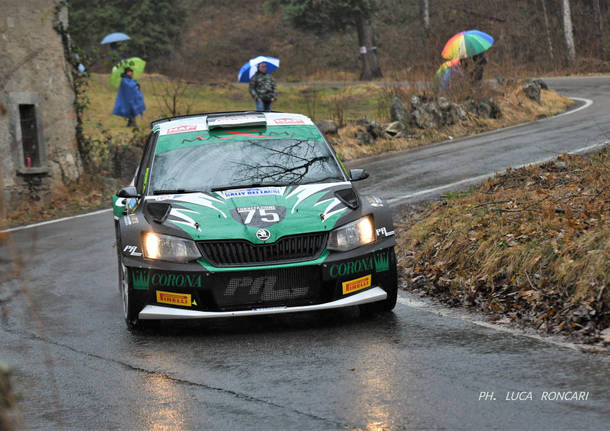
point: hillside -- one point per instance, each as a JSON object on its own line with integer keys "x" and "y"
{"x": 217, "y": 37}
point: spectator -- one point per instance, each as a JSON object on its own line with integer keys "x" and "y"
{"x": 479, "y": 61}
{"x": 263, "y": 89}
{"x": 129, "y": 100}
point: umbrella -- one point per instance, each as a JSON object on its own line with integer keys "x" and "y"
{"x": 248, "y": 70}
{"x": 114, "y": 37}
{"x": 136, "y": 64}
{"x": 466, "y": 44}
{"x": 444, "y": 71}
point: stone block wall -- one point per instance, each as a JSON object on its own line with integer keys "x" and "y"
{"x": 35, "y": 81}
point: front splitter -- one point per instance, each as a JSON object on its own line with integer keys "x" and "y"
{"x": 152, "y": 312}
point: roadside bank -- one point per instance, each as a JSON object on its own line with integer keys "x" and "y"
{"x": 530, "y": 247}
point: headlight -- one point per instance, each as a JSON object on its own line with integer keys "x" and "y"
{"x": 165, "y": 247}
{"x": 352, "y": 235}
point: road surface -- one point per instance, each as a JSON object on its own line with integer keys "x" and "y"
{"x": 77, "y": 367}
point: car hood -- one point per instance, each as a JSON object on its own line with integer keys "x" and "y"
{"x": 241, "y": 213}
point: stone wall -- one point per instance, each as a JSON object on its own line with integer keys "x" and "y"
{"x": 35, "y": 82}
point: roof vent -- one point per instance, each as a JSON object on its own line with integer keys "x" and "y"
{"x": 236, "y": 120}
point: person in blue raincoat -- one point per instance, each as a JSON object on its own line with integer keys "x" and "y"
{"x": 129, "y": 100}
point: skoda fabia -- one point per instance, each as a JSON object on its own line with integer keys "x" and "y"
{"x": 248, "y": 213}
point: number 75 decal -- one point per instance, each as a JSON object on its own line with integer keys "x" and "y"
{"x": 260, "y": 216}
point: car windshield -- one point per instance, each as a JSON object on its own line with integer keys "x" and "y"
{"x": 235, "y": 164}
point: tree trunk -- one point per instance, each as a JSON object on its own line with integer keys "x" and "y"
{"x": 597, "y": 19}
{"x": 425, "y": 15}
{"x": 567, "y": 30}
{"x": 368, "y": 50}
{"x": 548, "y": 29}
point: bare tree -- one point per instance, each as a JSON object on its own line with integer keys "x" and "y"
{"x": 567, "y": 30}
{"x": 324, "y": 16}
{"x": 597, "y": 19}
{"x": 425, "y": 15}
{"x": 548, "y": 29}
{"x": 368, "y": 50}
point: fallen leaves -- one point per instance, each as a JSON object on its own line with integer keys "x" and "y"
{"x": 531, "y": 245}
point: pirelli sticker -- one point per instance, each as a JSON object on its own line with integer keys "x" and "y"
{"x": 357, "y": 284}
{"x": 182, "y": 299}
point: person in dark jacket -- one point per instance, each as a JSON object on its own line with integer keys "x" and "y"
{"x": 263, "y": 89}
{"x": 129, "y": 100}
{"x": 479, "y": 61}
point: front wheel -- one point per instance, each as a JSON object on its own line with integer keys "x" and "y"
{"x": 131, "y": 307}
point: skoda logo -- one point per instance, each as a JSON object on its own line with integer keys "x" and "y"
{"x": 263, "y": 234}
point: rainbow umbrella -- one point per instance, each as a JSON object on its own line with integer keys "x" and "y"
{"x": 447, "y": 71}
{"x": 466, "y": 44}
{"x": 446, "y": 68}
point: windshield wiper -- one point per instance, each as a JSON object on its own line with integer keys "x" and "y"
{"x": 247, "y": 186}
{"x": 324, "y": 180}
{"x": 175, "y": 191}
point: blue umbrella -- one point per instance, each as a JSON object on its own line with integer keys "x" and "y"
{"x": 248, "y": 70}
{"x": 114, "y": 37}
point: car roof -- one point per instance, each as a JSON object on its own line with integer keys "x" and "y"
{"x": 197, "y": 122}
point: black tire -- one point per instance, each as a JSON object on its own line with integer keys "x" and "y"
{"x": 131, "y": 306}
{"x": 119, "y": 250}
{"x": 390, "y": 285}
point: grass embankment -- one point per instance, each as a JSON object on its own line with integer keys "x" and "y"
{"x": 344, "y": 104}
{"x": 318, "y": 102}
{"x": 531, "y": 246}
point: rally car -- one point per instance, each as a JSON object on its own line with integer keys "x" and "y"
{"x": 248, "y": 213}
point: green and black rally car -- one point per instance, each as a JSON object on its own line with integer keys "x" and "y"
{"x": 248, "y": 213}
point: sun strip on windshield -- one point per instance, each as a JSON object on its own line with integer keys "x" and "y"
{"x": 177, "y": 141}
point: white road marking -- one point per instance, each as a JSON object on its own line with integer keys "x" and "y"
{"x": 490, "y": 174}
{"x": 466, "y": 317}
{"x": 29, "y": 226}
{"x": 588, "y": 102}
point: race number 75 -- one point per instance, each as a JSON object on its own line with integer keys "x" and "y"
{"x": 268, "y": 215}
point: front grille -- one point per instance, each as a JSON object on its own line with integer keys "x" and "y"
{"x": 286, "y": 249}
{"x": 267, "y": 287}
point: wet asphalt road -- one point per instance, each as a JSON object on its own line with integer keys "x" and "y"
{"x": 77, "y": 367}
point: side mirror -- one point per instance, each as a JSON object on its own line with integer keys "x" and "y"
{"x": 358, "y": 174}
{"x": 128, "y": 192}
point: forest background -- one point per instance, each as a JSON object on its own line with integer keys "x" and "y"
{"x": 208, "y": 40}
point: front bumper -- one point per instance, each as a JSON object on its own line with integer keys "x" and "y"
{"x": 175, "y": 291}
{"x": 157, "y": 312}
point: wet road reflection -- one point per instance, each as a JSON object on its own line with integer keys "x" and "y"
{"x": 168, "y": 401}
{"x": 328, "y": 370}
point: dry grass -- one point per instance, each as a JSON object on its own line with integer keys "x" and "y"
{"x": 90, "y": 193}
{"x": 515, "y": 106}
{"x": 319, "y": 101}
{"x": 344, "y": 104}
{"x": 532, "y": 244}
